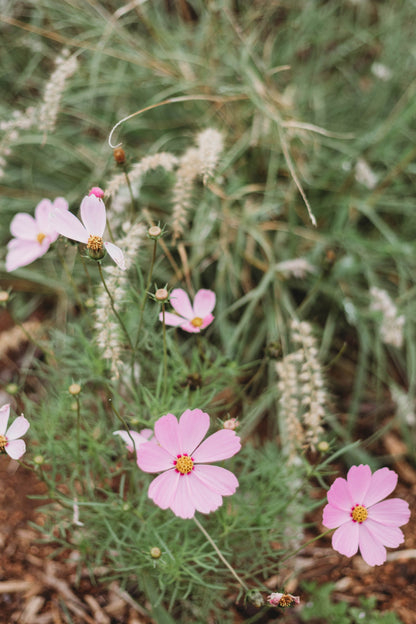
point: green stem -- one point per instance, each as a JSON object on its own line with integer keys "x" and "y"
{"x": 132, "y": 202}
{"x": 78, "y": 432}
{"x": 165, "y": 351}
{"x": 72, "y": 282}
{"x": 124, "y": 422}
{"x": 146, "y": 290}
{"x": 220, "y": 555}
{"x": 113, "y": 307}
{"x": 311, "y": 541}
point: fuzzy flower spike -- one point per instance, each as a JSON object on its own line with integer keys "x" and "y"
{"x": 33, "y": 236}
{"x": 360, "y": 515}
{"x": 89, "y": 230}
{"x": 190, "y": 318}
{"x": 187, "y": 483}
{"x": 10, "y": 442}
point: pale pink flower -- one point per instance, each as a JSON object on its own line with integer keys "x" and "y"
{"x": 360, "y": 515}
{"x": 33, "y": 236}
{"x": 90, "y": 231}
{"x": 282, "y": 600}
{"x": 190, "y": 318}
{"x": 139, "y": 438}
{"x": 187, "y": 484}
{"x": 10, "y": 438}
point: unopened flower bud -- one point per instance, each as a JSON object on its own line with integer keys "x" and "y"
{"x": 161, "y": 294}
{"x": 155, "y": 552}
{"x": 39, "y": 460}
{"x": 119, "y": 155}
{"x": 255, "y": 598}
{"x": 4, "y": 296}
{"x": 154, "y": 231}
{"x": 74, "y": 389}
{"x": 231, "y": 423}
{"x": 12, "y": 388}
{"x": 97, "y": 191}
{"x": 323, "y": 446}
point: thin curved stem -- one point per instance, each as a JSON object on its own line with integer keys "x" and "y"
{"x": 220, "y": 555}
{"x": 146, "y": 290}
{"x": 113, "y": 307}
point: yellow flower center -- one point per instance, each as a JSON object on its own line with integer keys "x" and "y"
{"x": 40, "y": 237}
{"x": 359, "y": 513}
{"x": 184, "y": 464}
{"x": 197, "y": 321}
{"x": 95, "y": 243}
{"x": 3, "y": 442}
{"x": 286, "y": 600}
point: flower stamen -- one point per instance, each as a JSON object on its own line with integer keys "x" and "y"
{"x": 197, "y": 321}
{"x": 40, "y": 237}
{"x": 95, "y": 243}
{"x": 359, "y": 513}
{"x": 184, "y": 464}
{"x": 3, "y": 442}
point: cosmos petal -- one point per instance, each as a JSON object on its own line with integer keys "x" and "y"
{"x": 162, "y": 490}
{"x": 171, "y": 319}
{"x": 358, "y": 482}
{"x": 372, "y": 550}
{"x": 167, "y": 434}
{"x": 390, "y": 536}
{"x": 181, "y": 304}
{"x": 217, "y": 479}
{"x": 93, "y": 215}
{"x": 204, "y": 302}
{"x": 153, "y": 458}
{"x": 391, "y": 512}
{"x": 24, "y": 226}
{"x": 15, "y": 448}
{"x": 220, "y": 445}
{"x": 18, "y": 428}
{"x": 116, "y": 254}
{"x": 193, "y": 426}
{"x": 4, "y": 417}
{"x": 333, "y": 517}
{"x": 21, "y": 252}
{"x": 339, "y": 495}
{"x": 382, "y": 484}
{"x": 42, "y": 215}
{"x": 67, "y": 224}
{"x": 345, "y": 539}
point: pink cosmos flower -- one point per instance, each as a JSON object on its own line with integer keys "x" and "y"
{"x": 9, "y": 438}
{"x": 90, "y": 231}
{"x": 191, "y": 318}
{"x": 282, "y": 600}
{"x": 139, "y": 438}
{"x": 187, "y": 484}
{"x": 362, "y": 519}
{"x": 33, "y": 236}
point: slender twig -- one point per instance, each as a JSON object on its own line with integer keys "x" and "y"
{"x": 113, "y": 307}
{"x": 146, "y": 290}
{"x": 124, "y": 422}
{"x": 132, "y": 200}
{"x": 311, "y": 541}
{"x": 220, "y": 555}
{"x": 165, "y": 351}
